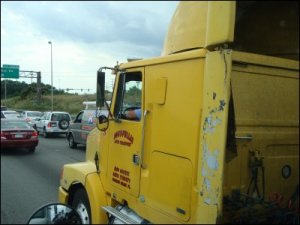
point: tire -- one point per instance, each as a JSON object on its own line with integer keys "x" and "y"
{"x": 72, "y": 143}
{"x": 82, "y": 205}
{"x": 45, "y": 134}
{"x": 63, "y": 124}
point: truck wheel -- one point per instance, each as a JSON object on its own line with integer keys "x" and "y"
{"x": 72, "y": 143}
{"x": 82, "y": 206}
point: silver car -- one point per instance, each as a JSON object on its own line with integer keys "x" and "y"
{"x": 10, "y": 114}
{"x": 31, "y": 116}
{"x": 80, "y": 128}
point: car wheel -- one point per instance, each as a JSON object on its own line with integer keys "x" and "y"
{"x": 46, "y": 135}
{"x": 82, "y": 205}
{"x": 63, "y": 124}
{"x": 32, "y": 150}
{"x": 72, "y": 143}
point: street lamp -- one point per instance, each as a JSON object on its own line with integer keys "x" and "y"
{"x": 49, "y": 42}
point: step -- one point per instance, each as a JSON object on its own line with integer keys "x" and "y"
{"x": 116, "y": 213}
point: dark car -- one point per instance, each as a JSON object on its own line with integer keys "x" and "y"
{"x": 17, "y": 133}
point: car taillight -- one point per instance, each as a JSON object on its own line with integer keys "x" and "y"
{"x": 34, "y": 135}
{"x": 3, "y": 135}
{"x": 51, "y": 124}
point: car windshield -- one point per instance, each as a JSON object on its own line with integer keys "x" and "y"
{"x": 60, "y": 116}
{"x": 34, "y": 114}
{"x": 6, "y": 124}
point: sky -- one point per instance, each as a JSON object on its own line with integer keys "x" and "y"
{"x": 85, "y": 36}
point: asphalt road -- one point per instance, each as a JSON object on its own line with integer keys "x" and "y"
{"x": 31, "y": 180}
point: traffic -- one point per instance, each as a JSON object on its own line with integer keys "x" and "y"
{"x": 29, "y": 180}
{"x": 230, "y": 157}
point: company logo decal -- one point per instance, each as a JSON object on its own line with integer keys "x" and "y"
{"x": 123, "y": 137}
{"x": 121, "y": 176}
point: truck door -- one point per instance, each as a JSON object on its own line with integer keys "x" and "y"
{"x": 126, "y": 134}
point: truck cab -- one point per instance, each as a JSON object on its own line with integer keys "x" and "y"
{"x": 218, "y": 137}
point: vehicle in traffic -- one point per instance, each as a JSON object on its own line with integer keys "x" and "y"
{"x": 31, "y": 116}
{"x": 53, "y": 123}
{"x": 17, "y": 133}
{"x": 92, "y": 104}
{"x": 82, "y": 125}
{"x": 10, "y": 114}
{"x": 218, "y": 137}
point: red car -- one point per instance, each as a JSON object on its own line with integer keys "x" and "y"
{"x": 17, "y": 133}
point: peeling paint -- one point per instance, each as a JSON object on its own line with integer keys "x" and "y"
{"x": 210, "y": 124}
{"x": 221, "y": 106}
{"x": 207, "y": 183}
{"x": 204, "y": 172}
{"x": 212, "y": 121}
{"x": 207, "y": 201}
{"x": 212, "y": 161}
{"x": 211, "y": 201}
{"x": 210, "y": 166}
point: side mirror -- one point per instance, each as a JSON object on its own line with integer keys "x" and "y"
{"x": 102, "y": 123}
{"x": 55, "y": 213}
{"x": 100, "y": 98}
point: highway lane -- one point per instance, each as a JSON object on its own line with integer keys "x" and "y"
{"x": 29, "y": 181}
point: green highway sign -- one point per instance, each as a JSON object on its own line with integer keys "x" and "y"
{"x": 10, "y": 71}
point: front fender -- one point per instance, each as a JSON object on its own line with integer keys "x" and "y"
{"x": 85, "y": 174}
{"x": 76, "y": 173}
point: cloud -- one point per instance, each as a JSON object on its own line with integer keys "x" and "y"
{"x": 142, "y": 23}
{"x": 85, "y": 36}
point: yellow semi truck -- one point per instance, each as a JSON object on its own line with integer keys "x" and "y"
{"x": 218, "y": 136}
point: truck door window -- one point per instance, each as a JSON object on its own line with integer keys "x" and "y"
{"x": 129, "y": 95}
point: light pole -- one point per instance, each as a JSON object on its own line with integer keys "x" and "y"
{"x": 49, "y": 42}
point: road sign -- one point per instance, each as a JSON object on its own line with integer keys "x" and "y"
{"x": 10, "y": 71}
